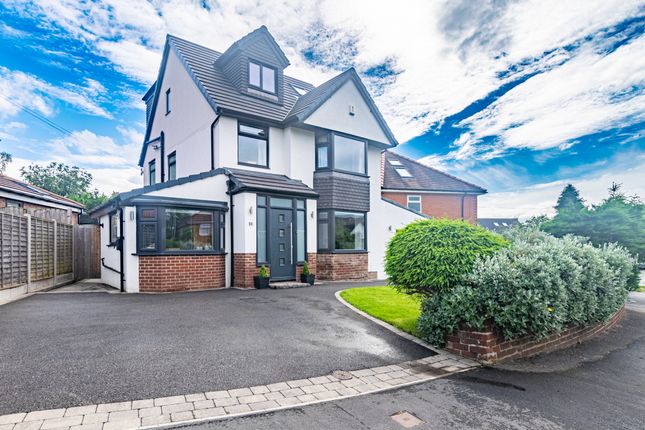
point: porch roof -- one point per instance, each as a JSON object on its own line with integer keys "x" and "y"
{"x": 248, "y": 180}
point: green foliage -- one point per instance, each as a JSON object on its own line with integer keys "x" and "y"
{"x": 90, "y": 199}
{"x": 264, "y": 272}
{"x": 570, "y": 200}
{"x": 5, "y": 159}
{"x": 432, "y": 256}
{"x": 305, "y": 269}
{"x": 618, "y": 219}
{"x": 538, "y": 285}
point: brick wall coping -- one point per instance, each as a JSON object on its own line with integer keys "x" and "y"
{"x": 489, "y": 346}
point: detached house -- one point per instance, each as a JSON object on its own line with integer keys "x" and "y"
{"x": 245, "y": 166}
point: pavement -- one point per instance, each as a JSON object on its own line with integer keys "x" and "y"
{"x": 61, "y": 350}
{"x": 595, "y": 385}
{"x": 636, "y": 302}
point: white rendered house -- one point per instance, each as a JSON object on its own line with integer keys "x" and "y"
{"x": 245, "y": 166}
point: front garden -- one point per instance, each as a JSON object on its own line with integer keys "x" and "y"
{"x": 450, "y": 276}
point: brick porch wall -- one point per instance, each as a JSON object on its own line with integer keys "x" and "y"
{"x": 342, "y": 267}
{"x": 312, "y": 259}
{"x": 170, "y": 273}
{"x": 244, "y": 269}
{"x": 490, "y": 346}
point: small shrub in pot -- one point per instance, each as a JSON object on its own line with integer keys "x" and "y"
{"x": 306, "y": 276}
{"x": 262, "y": 280}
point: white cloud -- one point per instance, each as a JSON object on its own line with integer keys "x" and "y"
{"x": 448, "y": 53}
{"x": 540, "y": 198}
{"x": 22, "y": 89}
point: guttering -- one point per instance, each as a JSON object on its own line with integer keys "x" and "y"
{"x": 230, "y": 197}
{"x": 429, "y": 191}
{"x": 163, "y": 156}
{"x": 463, "y": 197}
{"x": 213, "y": 142}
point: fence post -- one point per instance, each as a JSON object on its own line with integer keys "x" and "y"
{"x": 55, "y": 250}
{"x": 28, "y": 252}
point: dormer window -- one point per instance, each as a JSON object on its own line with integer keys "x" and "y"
{"x": 262, "y": 77}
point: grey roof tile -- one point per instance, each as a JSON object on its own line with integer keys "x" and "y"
{"x": 12, "y": 185}
{"x": 424, "y": 178}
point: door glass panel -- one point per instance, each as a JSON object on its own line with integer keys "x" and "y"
{"x": 262, "y": 235}
{"x": 282, "y": 262}
{"x": 281, "y": 232}
{"x": 281, "y": 203}
{"x": 281, "y": 217}
{"x": 300, "y": 236}
{"x": 282, "y": 247}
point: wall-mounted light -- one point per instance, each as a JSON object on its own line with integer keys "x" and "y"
{"x": 131, "y": 215}
{"x": 312, "y": 214}
{"x": 351, "y": 110}
{"x": 250, "y": 210}
{"x": 389, "y": 228}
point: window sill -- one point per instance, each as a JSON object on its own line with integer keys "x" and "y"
{"x": 344, "y": 251}
{"x": 347, "y": 172}
{"x": 260, "y": 166}
{"x": 177, "y": 253}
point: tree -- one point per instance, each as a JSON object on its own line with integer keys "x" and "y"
{"x": 5, "y": 159}
{"x": 58, "y": 178}
{"x": 617, "y": 219}
{"x": 569, "y": 200}
{"x": 71, "y": 182}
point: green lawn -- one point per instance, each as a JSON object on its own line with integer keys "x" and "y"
{"x": 385, "y": 303}
{"x": 641, "y": 289}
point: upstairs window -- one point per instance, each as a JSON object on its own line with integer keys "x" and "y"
{"x": 414, "y": 203}
{"x": 167, "y": 101}
{"x": 172, "y": 166}
{"x": 253, "y": 145}
{"x": 262, "y": 77}
{"x": 152, "y": 172}
{"x": 337, "y": 152}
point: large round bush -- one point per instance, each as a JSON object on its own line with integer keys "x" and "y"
{"x": 432, "y": 256}
{"x": 537, "y": 286}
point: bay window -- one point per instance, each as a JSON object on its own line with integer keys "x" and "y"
{"x": 341, "y": 231}
{"x": 179, "y": 230}
{"x": 339, "y": 152}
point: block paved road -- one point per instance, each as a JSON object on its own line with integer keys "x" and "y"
{"x": 596, "y": 385}
{"x": 69, "y": 349}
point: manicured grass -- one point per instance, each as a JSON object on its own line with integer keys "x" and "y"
{"x": 385, "y": 303}
{"x": 641, "y": 289}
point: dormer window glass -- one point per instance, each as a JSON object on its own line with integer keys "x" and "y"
{"x": 262, "y": 77}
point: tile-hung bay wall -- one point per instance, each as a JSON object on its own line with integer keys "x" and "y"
{"x": 35, "y": 254}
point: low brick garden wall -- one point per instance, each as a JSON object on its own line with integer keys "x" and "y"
{"x": 490, "y": 346}
{"x": 342, "y": 267}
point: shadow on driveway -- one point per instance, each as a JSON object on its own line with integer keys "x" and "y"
{"x": 59, "y": 350}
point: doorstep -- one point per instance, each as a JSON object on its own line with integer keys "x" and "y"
{"x": 287, "y": 284}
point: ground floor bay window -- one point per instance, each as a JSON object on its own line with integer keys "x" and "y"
{"x": 341, "y": 231}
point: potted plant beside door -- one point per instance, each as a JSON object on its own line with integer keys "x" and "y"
{"x": 306, "y": 275}
{"x": 262, "y": 280}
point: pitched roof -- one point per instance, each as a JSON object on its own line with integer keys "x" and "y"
{"x": 423, "y": 178}
{"x": 224, "y": 97}
{"x": 243, "y": 180}
{"x": 250, "y": 38}
{"x": 15, "y": 186}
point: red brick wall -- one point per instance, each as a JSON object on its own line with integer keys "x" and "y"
{"x": 342, "y": 267}
{"x": 244, "y": 269}
{"x": 441, "y": 205}
{"x": 166, "y": 273}
{"x": 490, "y": 346}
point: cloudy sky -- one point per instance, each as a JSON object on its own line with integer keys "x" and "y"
{"x": 518, "y": 97}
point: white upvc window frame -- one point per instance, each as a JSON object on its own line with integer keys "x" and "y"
{"x": 418, "y": 199}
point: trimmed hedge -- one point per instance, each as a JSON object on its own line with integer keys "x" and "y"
{"x": 432, "y": 256}
{"x": 539, "y": 285}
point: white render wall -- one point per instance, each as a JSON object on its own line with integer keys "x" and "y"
{"x": 383, "y": 219}
{"x": 334, "y": 115}
{"x": 186, "y": 128}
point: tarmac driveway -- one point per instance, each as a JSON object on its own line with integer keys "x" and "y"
{"x": 59, "y": 350}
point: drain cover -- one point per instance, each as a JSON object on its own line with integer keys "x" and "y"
{"x": 406, "y": 419}
{"x": 341, "y": 374}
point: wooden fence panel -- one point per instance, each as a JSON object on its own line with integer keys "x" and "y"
{"x": 87, "y": 251}
{"x": 64, "y": 249}
{"x": 42, "y": 249}
{"x": 13, "y": 250}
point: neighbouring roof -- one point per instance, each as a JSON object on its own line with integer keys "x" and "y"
{"x": 421, "y": 177}
{"x": 21, "y": 188}
{"x": 242, "y": 180}
{"x": 497, "y": 224}
{"x": 225, "y": 97}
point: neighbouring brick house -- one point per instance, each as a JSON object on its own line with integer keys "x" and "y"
{"x": 426, "y": 190}
{"x": 22, "y": 198}
{"x": 245, "y": 166}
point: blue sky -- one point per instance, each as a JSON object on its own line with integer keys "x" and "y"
{"x": 518, "y": 97}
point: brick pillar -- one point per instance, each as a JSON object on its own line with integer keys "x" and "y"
{"x": 245, "y": 268}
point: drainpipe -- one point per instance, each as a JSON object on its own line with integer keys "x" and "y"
{"x": 121, "y": 223}
{"x": 463, "y": 197}
{"x": 230, "y": 199}
{"x": 162, "y": 146}
{"x": 213, "y": 143}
